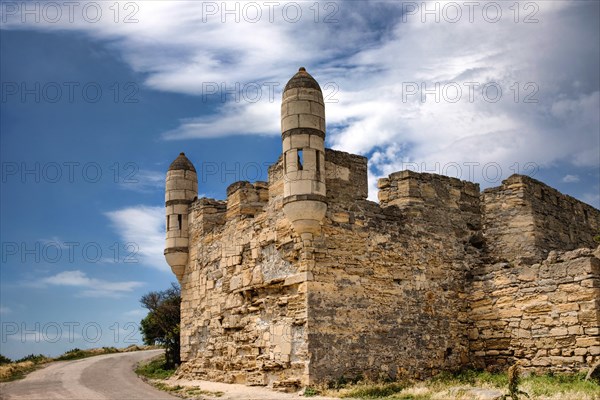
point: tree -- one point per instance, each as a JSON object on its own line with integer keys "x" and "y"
{"x": 161, "y": 325}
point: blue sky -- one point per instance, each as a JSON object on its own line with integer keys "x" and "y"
{"x": 94, "y": 107}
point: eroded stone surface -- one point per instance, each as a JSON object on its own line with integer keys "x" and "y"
{"x": 435, "y": 277}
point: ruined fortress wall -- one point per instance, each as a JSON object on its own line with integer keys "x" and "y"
{"x": 508, "y": 224}
{"x": 387, "y": 297}
{"x": 243, "y": 299}
{"x": 400, "y": 288}
{"x": 525, "y": 219}
{"x": 562, "y": 222}
{"x": 547, "y": 315}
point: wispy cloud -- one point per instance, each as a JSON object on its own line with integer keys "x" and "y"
{"x": 144, "y": 181}
{"x": 570, "y": 178}
{"x": 545, "y": 68}
{"x": 90, "y": 287}
{"x": 4, "y": 310}
{"x": 144, "y": 226}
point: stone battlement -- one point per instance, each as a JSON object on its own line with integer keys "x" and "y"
{"x": 414, "y": 264}
{"x": 525, "y": 218}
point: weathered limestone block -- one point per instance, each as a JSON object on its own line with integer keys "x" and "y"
{"x": 557, "y": 319}
{"x": 435, "y": 277}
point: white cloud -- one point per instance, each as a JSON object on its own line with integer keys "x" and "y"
{"x": 143, "y": 181}
{"x": 4, "y": 310}
{"x": 372, "y": 60}
{"x": 236, "y": 118}
{"x": 91, "y": 287}
{"x": 570, "y": 178}
{"x": 144, "y": 227}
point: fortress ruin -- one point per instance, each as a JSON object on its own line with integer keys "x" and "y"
{"x": 302, "y": 280}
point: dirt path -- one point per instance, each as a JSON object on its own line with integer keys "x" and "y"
{"x": 241, "y": 392}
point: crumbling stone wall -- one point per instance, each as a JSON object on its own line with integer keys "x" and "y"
{"x": 526, "y": 219}
{"x": 547, "y": 314}
{"x": 243, "y": 300}
{"x": 435, "y": 277}
{"x": 388, "y": 298}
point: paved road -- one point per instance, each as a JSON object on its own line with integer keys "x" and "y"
{"x": 105, "y": 377}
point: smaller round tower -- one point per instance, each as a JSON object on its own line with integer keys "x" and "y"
{"x": 181, "y": 191}
{"x": 303, "y": 139}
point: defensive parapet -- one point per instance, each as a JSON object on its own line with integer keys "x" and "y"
{"x": 435, "y": 203}
{"x": 246, "y": 199}
{"x": 525, "y": 219}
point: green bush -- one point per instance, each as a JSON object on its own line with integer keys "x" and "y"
{"x": 74, "y": 354}
{"x": 155, "y": 369}
{"x": 34, "y": 358}
{"x": 4, "y": 360}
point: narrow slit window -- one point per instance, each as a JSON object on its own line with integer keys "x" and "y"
{"x": 300, "y": 160}
{"x": 179, "y": 220}
{"x": 168, "y": 224}
{"x": 285, "y": 163}
{"x": 318, "y": 162}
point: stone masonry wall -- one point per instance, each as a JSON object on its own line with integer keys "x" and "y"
{"x": 387, "y": 297}
{"x": 243, "y": 300}
{"x": 400, "y": 288}
{"x": 525, "y": 219}
{"x": 547, "y": 315}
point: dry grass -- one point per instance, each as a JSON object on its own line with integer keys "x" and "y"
{"x": 18, "y": 370}
{"x": 469, "y": 384}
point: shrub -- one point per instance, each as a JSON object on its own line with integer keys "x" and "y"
{"x": 34, "y": 358}
{"x": 155, "y": 369}
{"x": 4, "y": 360}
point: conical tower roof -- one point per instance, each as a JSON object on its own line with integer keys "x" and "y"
{"x": 182, "y": 163}
{"x": 302, "y": 79}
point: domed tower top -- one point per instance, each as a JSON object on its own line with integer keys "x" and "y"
{"x": 302, "y": 79}
{"x": 182, "y": 163}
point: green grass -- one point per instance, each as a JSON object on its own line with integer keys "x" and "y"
{"x": 154, "y": 369}
{"x": 34, "y": 358}
{"x": 76, "y": 354}
{"x": 548, "y": 385}
{"x": 73, "y": 354}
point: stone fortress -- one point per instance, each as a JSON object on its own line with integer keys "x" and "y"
{"x": 301, "y": 280}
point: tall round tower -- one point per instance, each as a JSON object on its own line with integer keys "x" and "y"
{"x": 303, "y": 136}
{"x": 181, "y": 190}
